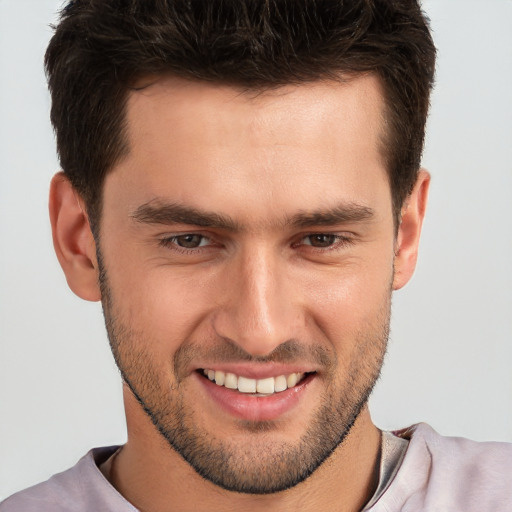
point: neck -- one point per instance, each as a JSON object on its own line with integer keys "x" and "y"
{"x": 154, "y": 478}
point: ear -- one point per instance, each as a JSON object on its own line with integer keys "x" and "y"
{"x": 72, "y": 239}
{"x": 409, "y": 231}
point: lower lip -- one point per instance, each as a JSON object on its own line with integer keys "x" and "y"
{"x": 256, "y": 408}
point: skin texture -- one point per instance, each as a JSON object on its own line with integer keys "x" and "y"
{"x": 293, "y": 271}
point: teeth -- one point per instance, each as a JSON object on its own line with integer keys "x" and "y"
{"x": 260, "y": 387}
{"x": 246, "y": 385}
{"x": 231, "y": 381}
{"x": 280, "y": 383}
{"x": 220, "y": 378}
{"x": 291, "y": 380}
{"x": 265, "y": 385}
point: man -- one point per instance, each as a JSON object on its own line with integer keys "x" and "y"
{"x": 242, "y": 191}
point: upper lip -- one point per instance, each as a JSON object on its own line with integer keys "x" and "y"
{"x": 258, "y": 371}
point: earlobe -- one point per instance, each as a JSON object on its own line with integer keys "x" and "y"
{"x": 73, "y": 239}
{"x": 409, "y": 231}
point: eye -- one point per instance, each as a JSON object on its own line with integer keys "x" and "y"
{"x": 186, "y": 241}
{"x": 321, "y": 240}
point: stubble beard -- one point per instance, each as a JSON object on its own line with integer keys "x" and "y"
{"x": 261, "y": 464}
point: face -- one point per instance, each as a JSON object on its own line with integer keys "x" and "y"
{"x": 247, "y": 250}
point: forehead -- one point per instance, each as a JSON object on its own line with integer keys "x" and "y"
{"x": 305, "y": 110}
{"x": 207, "y": 145}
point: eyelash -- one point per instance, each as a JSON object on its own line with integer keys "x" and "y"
{"x": 170, "y": 242}
{"x": 340, "y": 242}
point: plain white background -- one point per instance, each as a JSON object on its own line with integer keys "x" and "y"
{"x": 450, "y": 351}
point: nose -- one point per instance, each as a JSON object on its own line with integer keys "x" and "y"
{"x": 258, "y": 309}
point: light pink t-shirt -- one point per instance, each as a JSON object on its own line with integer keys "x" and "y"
{"x": 437, "y": 474}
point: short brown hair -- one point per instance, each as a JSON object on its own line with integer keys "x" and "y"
{"x": 101, "y": 47}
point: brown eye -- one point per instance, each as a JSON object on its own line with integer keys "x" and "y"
{"x": 320, "y": 240}
{"x": 189, "y": 241}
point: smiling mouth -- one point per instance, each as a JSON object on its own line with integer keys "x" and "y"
{"x": 257, "y": 387}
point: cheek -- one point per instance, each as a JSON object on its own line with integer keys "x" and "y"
{"x": 164, "y": 303}
{"x": 348, "y": 302}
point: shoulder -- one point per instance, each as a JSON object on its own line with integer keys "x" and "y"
{"x": 485, "y": 462}
{"x": 451, "y": 474}
{"x": 81, "y": 488}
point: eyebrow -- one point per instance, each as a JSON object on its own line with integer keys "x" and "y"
{"x": 159, "y": 212}
{"x": 338, "y": 215}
